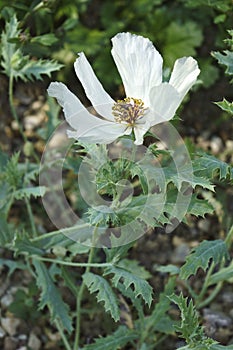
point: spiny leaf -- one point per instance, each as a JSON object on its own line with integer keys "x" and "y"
{"x": 51, "y": 297}
{"x": 7, "y": 232}
{"x": 115, "y": 341}
{"x": 161, "y": 307}
{"x": 96, "y": 283}
{"x": 179, "y": 205}
{"x": 134, "y": 267}
{"x": 212, "y": 166}
{"x": 201, "y": 255}
{"x": 15, "y": 63}
{"x": 38, "y": 191}
{"x": 184, "y": 174}
{"x": 140, "y": 286}
{"x": 226, "y": 59}
{"x": 12, "y": 173}
{"x": 9, "y": 49}
{"x": 225, "y": 106}
{"x": 23, "y": 245}
{"x": 33, "y": 70}
{"x": 199, "y": 207}
{"x": 12, "y": 265}
{"x": 189, "y": 328}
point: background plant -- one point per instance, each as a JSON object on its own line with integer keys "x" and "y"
{"x": 113, "y": 284}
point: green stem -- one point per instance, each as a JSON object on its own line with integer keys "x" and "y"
{"x": 229, "y": 238}
{"x": 54, "y": 233}
{"x": 80, "y": 293}
{"x": 70, "y": 263}
{"x": 65, "y": 341}
{"x": 205, "y": 284}
{"x": 31, "y": 218}
{"x": 211, "y": 296}
{"x": 12, "y": 107}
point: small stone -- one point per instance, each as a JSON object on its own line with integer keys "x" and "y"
{"x": 2, "y": 332}
{"x": 34, "y": 342}
{"x": 6, "y": 300}
{"x": 10, "y": 343}
{"x": 216, "y": 144}
{"x": 204, "y": 225}
{"x": 10, "y": 325}
{"x": 180, "y": 253}
{"x": 229, "y": 145}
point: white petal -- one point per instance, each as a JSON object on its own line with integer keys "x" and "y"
{"x": 70, "y": 103}
{"x": 139, "y": 132}
{"x": 102, "y": 134}
{"x": 184, "y": 75}
{"x": 164, "y": 101}
{"x": 95, "y": 92}
{"x": 139, "y": 64}
{"x": 88, "y": 127}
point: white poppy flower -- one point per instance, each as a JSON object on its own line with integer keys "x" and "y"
{"x": 148, "y": 100}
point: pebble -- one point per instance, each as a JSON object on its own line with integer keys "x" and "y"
{"x": 6, "y": 300}
{"x": 10, "y": 343}
{"x": 180, "y": 253}
{"x": 34, "y": 342}
{"x": 216, "y": 144}
{"x": 10, "y": 325}
{"x": 2, "y": 332}
{"x": 204, "y": 225}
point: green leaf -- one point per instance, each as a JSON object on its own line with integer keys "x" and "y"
{"x": 12, "y": 265}
{"x": 15, "y": 64}
{"x": 96, "y": 283}
{"x": 51, "y": 297}
{"x": 137, "y": 284}
{"x": 134, "y": 267}
{"x": 201, "y": 255}
{"x": 178, "y": 205}
{"x": 189, "y": 328}
{"x": 115, "y": 341}
{"x": 46, "y": 39}
{"x": 22, "y": 193}
{"x": 181, "y": 40}
{"x": 226, "y": 273}
{"x": 23, "y": 245}
{"x": 161, "y": 307}
{"x": 199, "y": 207}
{"x": 33, "y": 70}
{"x": 211, "y": 166}
{"x": 7, "y": 231}
{"x": 225, "y": 106}
{"x": 9, "y": 49}
{"x": 226, "y": 59}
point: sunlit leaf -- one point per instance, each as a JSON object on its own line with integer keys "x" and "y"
{"x": 201, "y": 256}
{"x": 99, "y": 285}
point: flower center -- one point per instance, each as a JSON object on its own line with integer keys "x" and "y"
{"x": 128, "y": 110}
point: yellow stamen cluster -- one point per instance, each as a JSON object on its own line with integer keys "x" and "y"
{"x": 128, "y": 110}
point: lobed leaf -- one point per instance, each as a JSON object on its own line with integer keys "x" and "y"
{"x": 189, "y": 328}
{"x": 38, "y": 191}
{"x": 225, "y": 106}
{"x": 51, "y": 297}
{"x": 115, "y": 341}
{"x": 211, "y": 166}
{"x": 96, "y": 283}
{"x": 138, "y": 285}
{"x": 225, "y": 59}
{"x": 201, "y": 255}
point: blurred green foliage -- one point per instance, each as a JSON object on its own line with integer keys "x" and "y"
{"x": 59, "y": 29}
